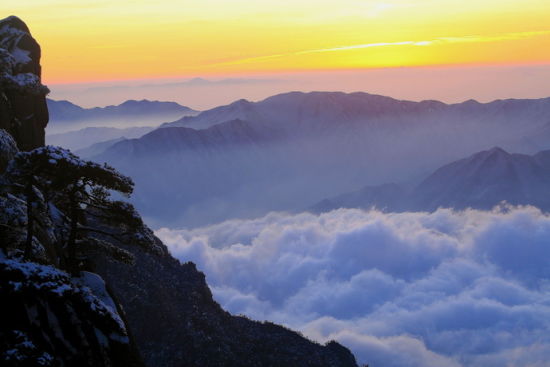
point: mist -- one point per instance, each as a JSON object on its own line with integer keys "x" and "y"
{"x": 189, "y": 178}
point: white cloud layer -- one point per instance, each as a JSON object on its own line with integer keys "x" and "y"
{"x": 435, "y": 289}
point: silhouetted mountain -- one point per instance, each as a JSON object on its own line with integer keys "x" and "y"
{"x": 480, "y": 181}
{"x": 485, "y": 179}
{"x": 326, "y": 109}
{"x": 65, "y": 115}
{"x": 291, "y": 110}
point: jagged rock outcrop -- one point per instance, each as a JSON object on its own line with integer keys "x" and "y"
{"x": 23, "y": 109}
{"x": 51, "y": 319}
{"x": 8, "y": 149}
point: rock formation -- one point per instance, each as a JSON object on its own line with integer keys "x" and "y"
{"x": 51, "y": 319}
{"x": 23, "y": 110}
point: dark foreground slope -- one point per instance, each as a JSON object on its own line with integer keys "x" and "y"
{"x": 176, "y": 322}
{"x": 51, "y": 319}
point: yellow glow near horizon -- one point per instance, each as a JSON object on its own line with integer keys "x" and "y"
{"x": 136, "y": 39}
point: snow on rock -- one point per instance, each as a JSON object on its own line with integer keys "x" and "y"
{"x": 23, "y": 109}
{"x": 12, "y": 34}
{"x": 8, "y": 149}
{"x": 50, "y": 318}
{"x": 17, "y": 71}
{"x": 96, "y": 285}
{"x": 25, "y": 83}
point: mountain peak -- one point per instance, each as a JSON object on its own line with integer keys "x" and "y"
{"x": 497, "y": 150}
{"x": 242, "y": 102}
{"x": 494, "y": 153}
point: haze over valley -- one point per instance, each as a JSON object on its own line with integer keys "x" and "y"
{"x": 290, "y": 151}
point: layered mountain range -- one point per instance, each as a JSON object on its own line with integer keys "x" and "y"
{"x": 291, "y": 150}
{"x": 66, "y": 116}
{"x": 76, "y": 128}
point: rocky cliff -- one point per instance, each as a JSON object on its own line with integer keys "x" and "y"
{"x": 176, "y": 322}
{"x": 53, "y": 318}
{"x": 23, "y": 110}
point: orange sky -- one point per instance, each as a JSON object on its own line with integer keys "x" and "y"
{"x": 100, "y": 40}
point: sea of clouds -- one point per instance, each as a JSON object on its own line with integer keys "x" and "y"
{"x": 448, "y": 288}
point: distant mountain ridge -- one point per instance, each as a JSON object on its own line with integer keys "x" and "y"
{"x": 481, "y": 181}
{"x": 65, "y": 114}
{"x": 65, "y": 110}
{"x": 308, "y": 107}
{"x": 293, "y": 113}
{"x": 349, "y": 107}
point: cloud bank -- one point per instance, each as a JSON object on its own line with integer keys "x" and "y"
{"x": 438, "y": 289}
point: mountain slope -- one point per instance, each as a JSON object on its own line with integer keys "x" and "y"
{"x": 97, "y": 148}
{"x": 481, "y": 181}
{"x": 485, "y": 179}
{"x": 173, "y": 139}
{"x": 83, "y": 138}
{"x": 176, "y": 322}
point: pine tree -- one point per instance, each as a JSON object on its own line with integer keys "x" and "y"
{"x": 82, "y": 191}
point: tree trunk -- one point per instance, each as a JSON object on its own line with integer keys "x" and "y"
{"x": 71, "y": 244}
{"x": 29, "y": 193}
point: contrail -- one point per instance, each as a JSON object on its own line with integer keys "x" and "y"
{"x": 422, "y": 43}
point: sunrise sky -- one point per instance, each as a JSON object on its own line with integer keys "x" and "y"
{"x": 104, "y": 41}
